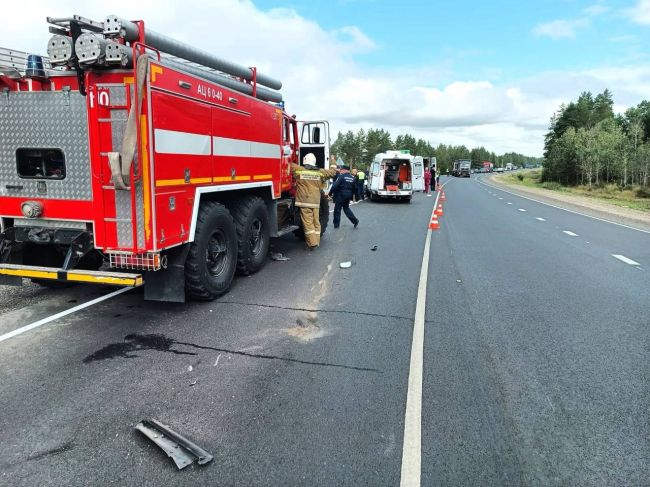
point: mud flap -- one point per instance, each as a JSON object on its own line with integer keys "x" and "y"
{"x": 168, "y": 284}
{"x": 5, "y": 255}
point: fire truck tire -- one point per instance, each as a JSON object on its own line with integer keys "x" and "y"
{"x": 212, "y": 258}
{"x": 253, "y": 233}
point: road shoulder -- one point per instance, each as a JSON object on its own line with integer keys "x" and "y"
{"x": 581, "y": 204}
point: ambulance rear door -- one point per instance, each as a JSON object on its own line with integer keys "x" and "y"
{"x": 376, "y": 176}
{"x": 418, "y": 173}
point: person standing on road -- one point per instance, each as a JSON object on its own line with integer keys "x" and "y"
{"x": 427, "y": 179}
{"x": 361, "y": 179}
{"x": 342, "y": 191}
{"x": 356, "y": 181}
{"x": 309, "y": 181}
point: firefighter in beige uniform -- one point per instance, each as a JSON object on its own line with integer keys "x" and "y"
{"x": 309, "y": 181}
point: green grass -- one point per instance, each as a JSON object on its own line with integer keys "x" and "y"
{"x": 629, "y": 197}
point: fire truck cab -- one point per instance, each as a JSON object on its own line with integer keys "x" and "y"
{"x": 157, "y": 171}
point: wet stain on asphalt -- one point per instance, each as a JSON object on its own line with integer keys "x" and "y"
{"x": 136, "y": 342}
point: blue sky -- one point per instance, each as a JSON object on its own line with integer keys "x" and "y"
{"x": 478, "y": 73}
{"x": 479, "y": 39}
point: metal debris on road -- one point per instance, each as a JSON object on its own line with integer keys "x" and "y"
{"x": 183, "y": 451}
{"x": 345, "y": 265}
{"x": 373, "y": 248}
{"x": 279, "y": 257}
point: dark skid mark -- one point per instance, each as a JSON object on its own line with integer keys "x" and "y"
{"x": 134, "y": 343}
{"x": 161, "y": 343}
{"x": 342, "y": 311}
{"x": 54, "y": 451}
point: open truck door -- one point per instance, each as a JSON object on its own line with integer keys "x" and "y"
{"x": 315, "y": 138}
{"x": 418, "y": 173}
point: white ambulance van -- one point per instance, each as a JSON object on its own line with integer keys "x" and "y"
{"x": 391, "y": 176}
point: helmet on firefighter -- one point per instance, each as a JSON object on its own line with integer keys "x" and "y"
{"x": 309, "y": 160}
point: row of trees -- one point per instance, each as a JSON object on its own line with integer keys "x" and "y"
{"x": 358, "y": 149}
{"x": 588, "y": 144}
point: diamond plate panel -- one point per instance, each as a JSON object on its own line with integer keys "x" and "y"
{"x": 117, "y": 95}
{"x": 123, "y": 212}
{"x": 46, "y": 119}
{"x": 118, "y": 125}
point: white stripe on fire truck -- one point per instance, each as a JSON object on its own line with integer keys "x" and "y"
{"x": 223, "y": 146}
{"x": 175, "y": 142}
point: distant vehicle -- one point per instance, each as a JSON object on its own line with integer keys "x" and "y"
{"x": 510, "y": 167}
{"x": 461, "y": 168}
{"x": 418, "y": 173}
{"x": 499, "y": 169}
{"x": 487, "y": 166}
{"x": 391, "y": 176}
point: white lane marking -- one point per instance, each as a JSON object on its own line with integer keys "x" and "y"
{"x": 627, "y": 260}
{"x": 521, "y": 209}
{"x": 500, "y": 198}
{"x": 540, "y": 219}
{"x": 509, "y": 203}
{"x": 570, "y": 233}
{"x": 67, "y": 312}
{"x": 412, "y": 447}
{"x": 565, "y": 209}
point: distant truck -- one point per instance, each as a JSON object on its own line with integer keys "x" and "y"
{"x": 391, "y": 176}
{"x": 487, "y": 166}
{"x": 510, "y": 166}
{"x": 462, "y": 168}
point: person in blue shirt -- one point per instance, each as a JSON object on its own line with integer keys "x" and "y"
{"x": 342, "y": 191}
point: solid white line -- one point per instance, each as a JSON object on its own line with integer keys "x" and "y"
{"x": 67, "y": 312}
{"x": 521, "y": 209}
{"x": 412, "y": 447}
{"x": 570, "y": 233}
{"x": 622, "y": 258}
{"x": 565, "y": 209}
{"x": 540, "y": 219}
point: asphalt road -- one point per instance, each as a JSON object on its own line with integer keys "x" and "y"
{"x": 535, "y": 360}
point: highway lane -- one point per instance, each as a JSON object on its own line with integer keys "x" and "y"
{"x": 536, "y": 358}
{"x": 297, "y": 377}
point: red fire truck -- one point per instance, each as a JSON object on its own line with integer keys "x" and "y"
{"x": 160, "y": 164}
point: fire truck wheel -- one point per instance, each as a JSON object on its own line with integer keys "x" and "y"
{"x": 212, "y": 258}
{"x": 253, "y": 233}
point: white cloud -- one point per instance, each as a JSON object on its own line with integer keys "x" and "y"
{"x": 596, "y": 9}
{"x": 560, "y": 29}
{"x": 323, "y": 79}
{"x": 640, "y": 13}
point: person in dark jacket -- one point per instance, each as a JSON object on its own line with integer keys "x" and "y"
{"x": 342, "y": 191}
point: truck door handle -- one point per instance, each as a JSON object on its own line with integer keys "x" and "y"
{"x": 13, "y": 186}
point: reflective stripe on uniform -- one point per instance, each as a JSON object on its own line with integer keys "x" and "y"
{"x": 310, "y": 175}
